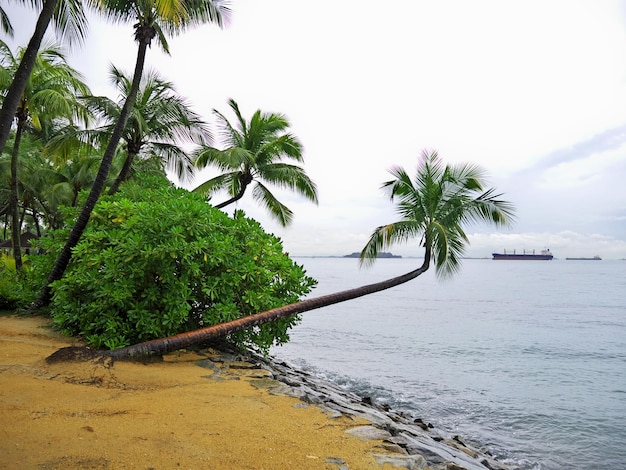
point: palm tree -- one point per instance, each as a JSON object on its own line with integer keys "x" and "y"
{"x": 62, "y": 183}
{"x": 50, "y": 93}
{"x": 69, "y": 19}
{"x": 158, "y": 120}
{"x": 254, "y": 150}
{"x": 434, "y": 207}
{"x": 153, "y": 18}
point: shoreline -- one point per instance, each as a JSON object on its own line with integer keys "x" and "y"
{"x": 204, "y": 409}
{"x": 409, "y": 442}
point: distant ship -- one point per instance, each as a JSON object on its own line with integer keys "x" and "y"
{"x": 595, "y": 258}
{"x": 545, "y": 255}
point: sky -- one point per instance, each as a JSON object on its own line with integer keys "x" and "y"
{"x": 533, "y": 91}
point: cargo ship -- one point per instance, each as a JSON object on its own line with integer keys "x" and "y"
{"x": 595, "y": 258}
{"x": 545, "y": 255}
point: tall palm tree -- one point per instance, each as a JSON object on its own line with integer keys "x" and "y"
{"x": 153, "y": 18}
{"x": 254, "y": 150}
{"x": 434, "y": 207}
{"x": 70, "y": 22}
{"x": 157, "y": 122}
{"x": 50, "y": 93}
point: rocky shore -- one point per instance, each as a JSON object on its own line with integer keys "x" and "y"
{"x": 407, "y": 441}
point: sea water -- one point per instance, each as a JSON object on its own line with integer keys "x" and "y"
{"x": 526, "y": 359}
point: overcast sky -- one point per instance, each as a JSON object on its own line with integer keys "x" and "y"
{"x": 533, "y": 91}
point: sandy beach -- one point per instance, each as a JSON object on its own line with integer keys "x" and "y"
{"x": 163, "y": 415}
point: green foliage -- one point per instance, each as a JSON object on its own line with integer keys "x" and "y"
{"x": 155, "y": 261}
{"x": 14, "y": 292}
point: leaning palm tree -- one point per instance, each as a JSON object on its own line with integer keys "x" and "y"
{"x": 434, "y": 207}
{"x": 158, "y": 122}
{"x": 70, "y": 22}
{"x": 153, "y": 18}
{"x": 254, "y": 150}
{"x": 50, "y": 93}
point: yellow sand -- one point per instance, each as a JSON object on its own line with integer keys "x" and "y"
{"x": 164, "y": 415}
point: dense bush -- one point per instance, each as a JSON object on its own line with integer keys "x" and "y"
{"x": 155, "y": 262}
{"x": 14, "y": 292}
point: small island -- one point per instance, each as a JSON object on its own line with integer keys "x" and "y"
{"x": 383, "y": 254}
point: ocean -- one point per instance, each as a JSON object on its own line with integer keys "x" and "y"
{"x": 525, "y": 359}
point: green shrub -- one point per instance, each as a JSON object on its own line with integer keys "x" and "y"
{"x": 14, "y": 290}
{"x": 155, "y": 262}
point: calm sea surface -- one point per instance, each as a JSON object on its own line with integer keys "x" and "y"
{"x": 524, "y": 358}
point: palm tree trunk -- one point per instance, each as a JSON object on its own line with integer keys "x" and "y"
{"x": 232, "y": 199}
{"x": 244, "y": 180}
{"x": 16, "y": 225}
{"x": 123, "y": 176}
{"x": 184, "y": 340}
{"x": 98, "y": 185}
{"x": 12, "y": 98}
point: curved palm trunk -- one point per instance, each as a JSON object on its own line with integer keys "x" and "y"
{"x": 98, "y": 184}
{"x": 245, "y": 179}
{"x": 235, "y": 198}
{"x": 16, "y": 224}
{"x": 183, "y": 340}
{"x": 12, "y": 98}
{"x": 123, "y": 176}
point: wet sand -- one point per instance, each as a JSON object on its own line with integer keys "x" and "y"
{"x": 165, "y": 415}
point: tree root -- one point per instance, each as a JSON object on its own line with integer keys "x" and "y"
{"x": 74, "y": 353}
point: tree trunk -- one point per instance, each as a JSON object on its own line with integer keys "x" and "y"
{"x": 244, "y": 179}
{"x": 98, "y": 185}
{"x": 12, "y": 98}
{"x": 16, "y": 225}
{"x": 235, "y": 198}
{"x": 123, "y": 176}
{"x": 184, "y": 340}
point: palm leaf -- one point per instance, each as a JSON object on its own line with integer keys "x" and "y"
{"x": 226, "y": 181}
{"x": 276, "y": 209}
{"x": 291, "y": 177}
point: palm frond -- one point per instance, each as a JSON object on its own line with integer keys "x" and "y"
{"x": 70, "y": 21}
{"x": 175, "y": 158}
{"x": 5, "y": 22}
{"x": 279, "y": 211}
{"x": 225, "y": 181}
{"x": 385, "y": 236}
{"x": 291, "y": 177}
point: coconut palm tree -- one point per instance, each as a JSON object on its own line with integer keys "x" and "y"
{"x": 70, "y": 22}
{"x": 159, "y": 119}
{"x": 32, "y": 186}
{"x": 253, "y": 153}
{"x": 50, "y": 93}
{"x": 153, "y": 19}
{"x": 434, "y": 207}
{"x": 63, "y": 183}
